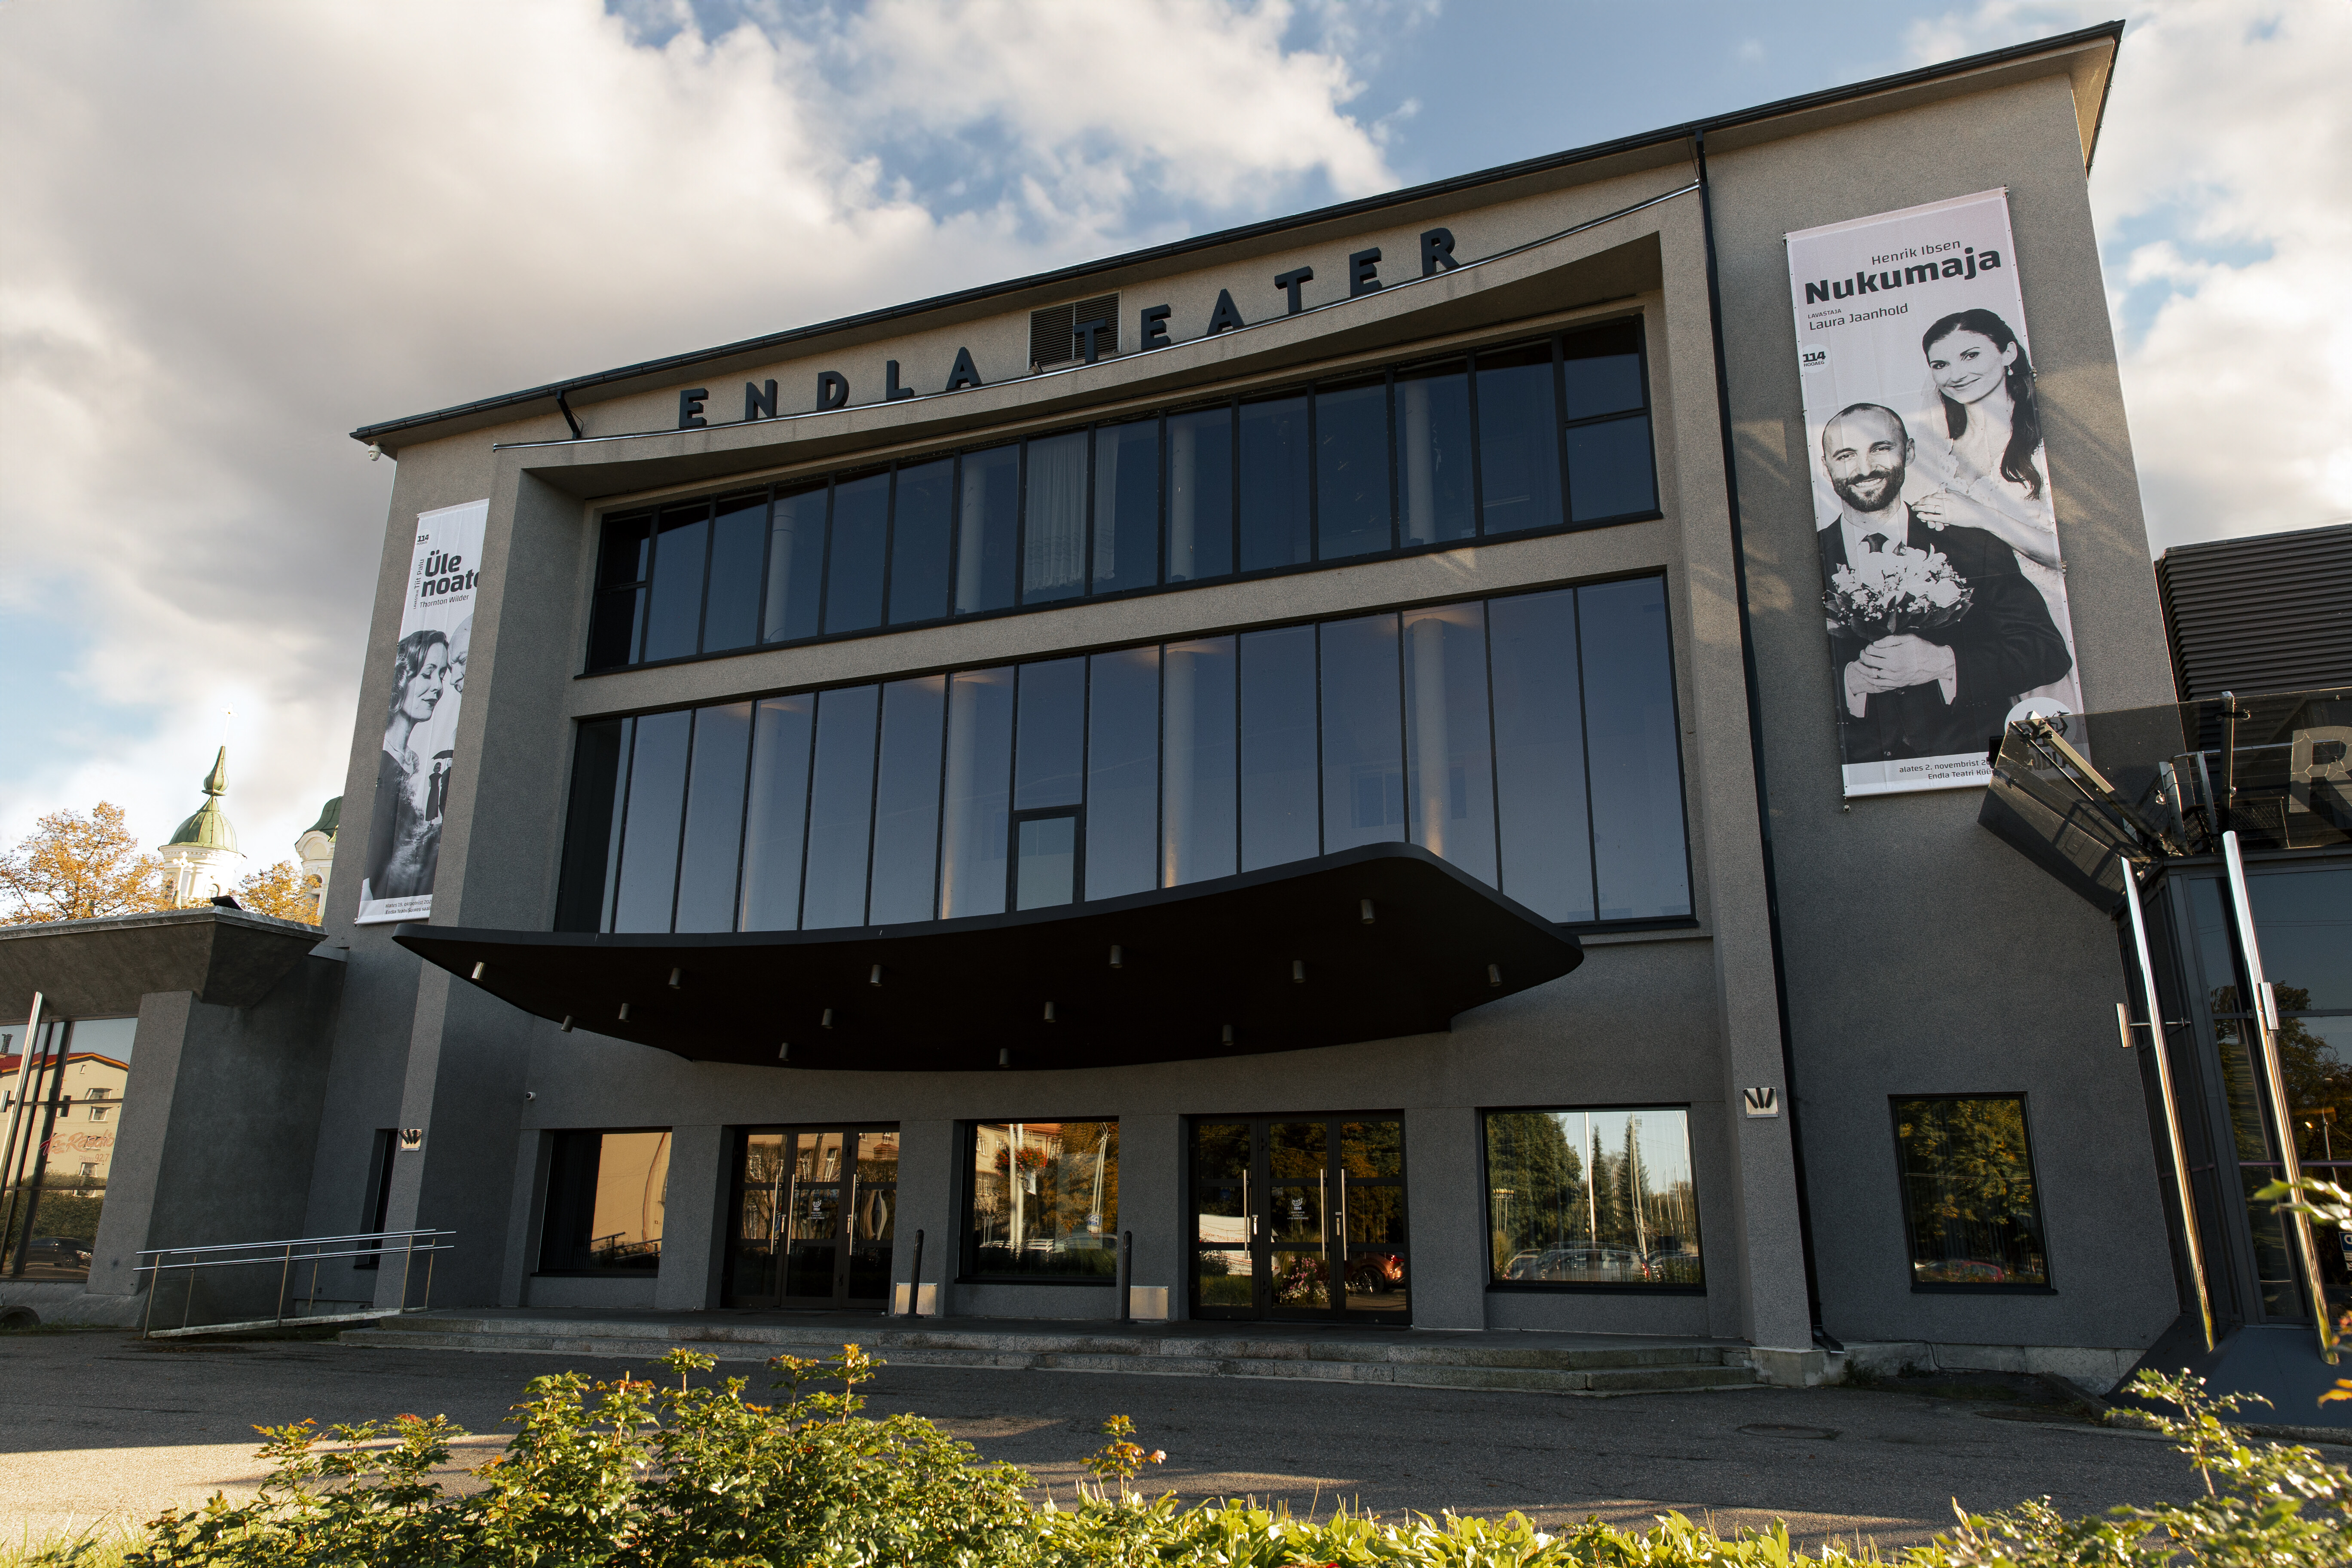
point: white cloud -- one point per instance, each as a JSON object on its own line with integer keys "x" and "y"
{"x": 237, "y": 231}
{"x": 2223, "y": 192}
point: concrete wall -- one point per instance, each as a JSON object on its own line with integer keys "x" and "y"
{"x": 1924, "y": 957}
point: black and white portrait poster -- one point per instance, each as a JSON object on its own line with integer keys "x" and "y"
{"x": 420, "y": 699}
{"x": 1941, "y": 578}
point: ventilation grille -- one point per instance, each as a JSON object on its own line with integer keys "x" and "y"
{"x": 1053, "y": 332}
{"x": 2264, "y": 614}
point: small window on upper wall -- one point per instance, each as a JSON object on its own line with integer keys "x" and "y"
{"x": 1611, "y": 471}
{"x": 605, "y": 1196}
{"x": 1970, "y": 1205}
{"x": 1044, "y": 1201}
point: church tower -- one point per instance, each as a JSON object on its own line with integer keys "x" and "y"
{"x": 203, "y": 859}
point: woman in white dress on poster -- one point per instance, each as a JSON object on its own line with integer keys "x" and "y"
{"x": 1985, "y": 461}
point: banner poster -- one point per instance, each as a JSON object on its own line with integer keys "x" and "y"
{"x": 420, "y": 715}
{"x": 1941, "y": 578}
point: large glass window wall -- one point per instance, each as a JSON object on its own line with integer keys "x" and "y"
{"x": 1529, "y": 740}
{"x": 1593, "y": 1199}
{"x": 1548, "y": 434}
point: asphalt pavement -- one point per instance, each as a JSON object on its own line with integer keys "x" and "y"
{"x": 104, "y": 1426}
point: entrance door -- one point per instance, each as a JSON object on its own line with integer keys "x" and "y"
{"x": 814, "y": 1209}
{"x": 1300, "y": 1217}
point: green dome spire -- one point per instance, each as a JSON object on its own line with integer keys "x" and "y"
{"x": 208, "y": 830}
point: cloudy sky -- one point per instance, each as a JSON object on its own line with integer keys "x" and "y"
{"x": 234, "y": 231}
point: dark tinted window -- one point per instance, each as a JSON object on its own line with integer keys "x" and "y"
{"x": 1435, "y": 482}
{"x": 1123, "y": 773}
{"x": 674, "y": 617}
{"x": 1200, "y": 494}
{"x": 852, "y": 576}
{"x": 592, "y": 842}
{"x": 1547, "y": 843}
{"x": 1274, "y": 481}
{"x": 920, "y": 521}
{"x": 977, "y": 794}
{"x": 1351, "y": 470}
{"x": 1050, "y": 748}
{"x": 1968, "y": 1197}
{"x": 906, "y": 800}
{"x": 1635, "y": 764}
{"x": 1601, "y": 370}
{"x": 795, "y": 565}
{"x": 1279, "y": 821}
{"x": 1053, "y": 527}
{"x": 713, "y": 844}
{"x": 1127, "y": 506}
{"x": 1449, "y": 759}
{"x": 841, "y": 805}
{"x": 775, "y": 816}
{"x": 1197, "y": 804}
{"x": 1363, "y": 744}
{"x": 1609, "y": 473}
{"x": 739, "y": 542}
{"x": 988, "y": 518}
{"x": 649, "y": 831}
{"x": 1518, "y": 440}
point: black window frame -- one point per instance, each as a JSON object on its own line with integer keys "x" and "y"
{"x": 1304, "y": 385}
{"x": 2049, "y": 1285}
{"x": 1583, "y": 1287}
{"x": 966, "y": 1194}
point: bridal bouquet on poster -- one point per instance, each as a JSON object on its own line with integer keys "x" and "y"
{"x": 1896, "y": 590}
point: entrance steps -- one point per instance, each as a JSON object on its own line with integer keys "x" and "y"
{"x": 1591, "y": 1365}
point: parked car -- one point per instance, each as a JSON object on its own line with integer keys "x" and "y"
{"x": 57, "y": 1255}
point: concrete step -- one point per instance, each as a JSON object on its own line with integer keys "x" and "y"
{"x": 1363, "y": 1357}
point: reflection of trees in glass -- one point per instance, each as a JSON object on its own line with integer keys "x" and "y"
{"x": 1045, "y": 1196}
{"x": 2318, "y": 1083}
{"x": 1593, "y": 1198}
{"x": 1967, "y": 1182}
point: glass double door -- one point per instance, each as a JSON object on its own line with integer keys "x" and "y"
{"x": 1300, "y": 1218}
{"x": 813, "y": 1213}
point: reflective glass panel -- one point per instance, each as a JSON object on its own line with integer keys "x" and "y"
{"x": 714, "y": 818}
{"x": 907, "y": 801}
{"x": 649, "y": 836}
{"x": 1449, "y": 757}
{"x": 1045, "y": 1200}
{"x": 853, "y": 579}
{"x": 1601, "y": 369}
{"x": 1046, "y": 856}
{"x": 795, "y": 565}
{"x": 1593, "y": 1198}
{"x": 1053, "y": 536}
{"x": 1274, "y": 479}
{"x": 627, "y": 556}
{"x": 1968, "y": 1197}
{"x": 592, "y": 825}
{"x": 1435, "y": 485}
{"x": 1363, "y": 740}
{"x": 1123, "y": 773}
{"x": 921, "y": 513}
{"x": 1635, "y": 762}
{"x": 988, "y": 518}
{"x": 979, "y": 793}
{"x": 1351, "y": 470}
{"x": 1200, "y": 494}
{"x": 1049, "y": 758}
{"x": 1518, "y": 440}
{"x": 1127, "y": 506}
{"x": 1278, "y": 762}
{"x": 674, "y": 616}
{"x": 1197, "y": 804}
{"x": 606, "y": 1199}
{"x": 2303, "y": 921}
{"x": 1539, "y": 755}
{"x": 841, "y": 805}
{"x": 738, "y": 538}
{"x": 1609, "y": 469}
{"x": 775, "y": 818}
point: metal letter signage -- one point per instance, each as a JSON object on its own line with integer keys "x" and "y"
{"x": 1943, "y": 587}
{"x": 1765, "y": 1102}
{"x": 420, "y": 708}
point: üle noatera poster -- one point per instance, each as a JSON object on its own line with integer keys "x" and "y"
{"x": 421, "y": 700}
{"x": 1942, "y": 582}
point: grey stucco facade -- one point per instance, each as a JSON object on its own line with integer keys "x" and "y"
{"x": 1915, "y": 954}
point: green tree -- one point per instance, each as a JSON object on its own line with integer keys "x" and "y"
{"x": 278, "y": 890}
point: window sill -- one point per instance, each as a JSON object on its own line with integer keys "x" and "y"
{"x": 1571, "y": 1288}
{"x": 1919, "y": 1290}
{"x": 1106, "y": 1283}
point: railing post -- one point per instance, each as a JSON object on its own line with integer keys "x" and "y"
{"x": 431, "y": 1248}
{"x": 154, "y": 1278}
{"x": 407, "y": 1258}
{"x": 285, "y": 1272}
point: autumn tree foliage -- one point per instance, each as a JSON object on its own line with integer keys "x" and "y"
{"x": 74, "y": 866}
{"x": 282, "y": 890}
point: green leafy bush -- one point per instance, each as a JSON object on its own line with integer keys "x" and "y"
{"x": 638, "y": 1475}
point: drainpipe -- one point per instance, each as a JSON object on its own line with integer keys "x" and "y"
{"x": 1756, "y": 745}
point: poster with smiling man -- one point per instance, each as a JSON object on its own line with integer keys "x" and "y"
{"x": 1943, "y": 586}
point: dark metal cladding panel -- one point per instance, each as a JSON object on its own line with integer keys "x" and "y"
{"x": 2273, "y": 612}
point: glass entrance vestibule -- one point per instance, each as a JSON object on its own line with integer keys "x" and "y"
{"x": 813, "y": 1214}
{"x": 1300, "y": 1218}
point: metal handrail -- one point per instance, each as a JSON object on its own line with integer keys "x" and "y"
{"x": 282, "y": 1253}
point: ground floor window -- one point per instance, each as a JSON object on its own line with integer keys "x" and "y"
{"x": 1044, "y": 1201}
{"x": 1969, "y": 1202}
{"x": 1592, "y": 1198}
{"x": 605, "y": 1196}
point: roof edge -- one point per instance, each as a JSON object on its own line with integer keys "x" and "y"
{"x": 2111, "y": 31}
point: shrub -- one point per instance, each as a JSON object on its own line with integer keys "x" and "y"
{"x": 637, "y": 1475}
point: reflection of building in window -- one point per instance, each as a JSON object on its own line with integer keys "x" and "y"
{"x": 1968, "y": 1197}
{"x": 80, "y": 1073}
{"x": 606, "y": 1196}
{"x": 1593, "y": 1198}
{"x": 1044, "y": 1199}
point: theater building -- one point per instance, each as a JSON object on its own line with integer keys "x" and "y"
{"x": 1314, "y": 747}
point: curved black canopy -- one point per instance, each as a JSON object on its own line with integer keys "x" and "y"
{"x": 1277, "y": 960}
